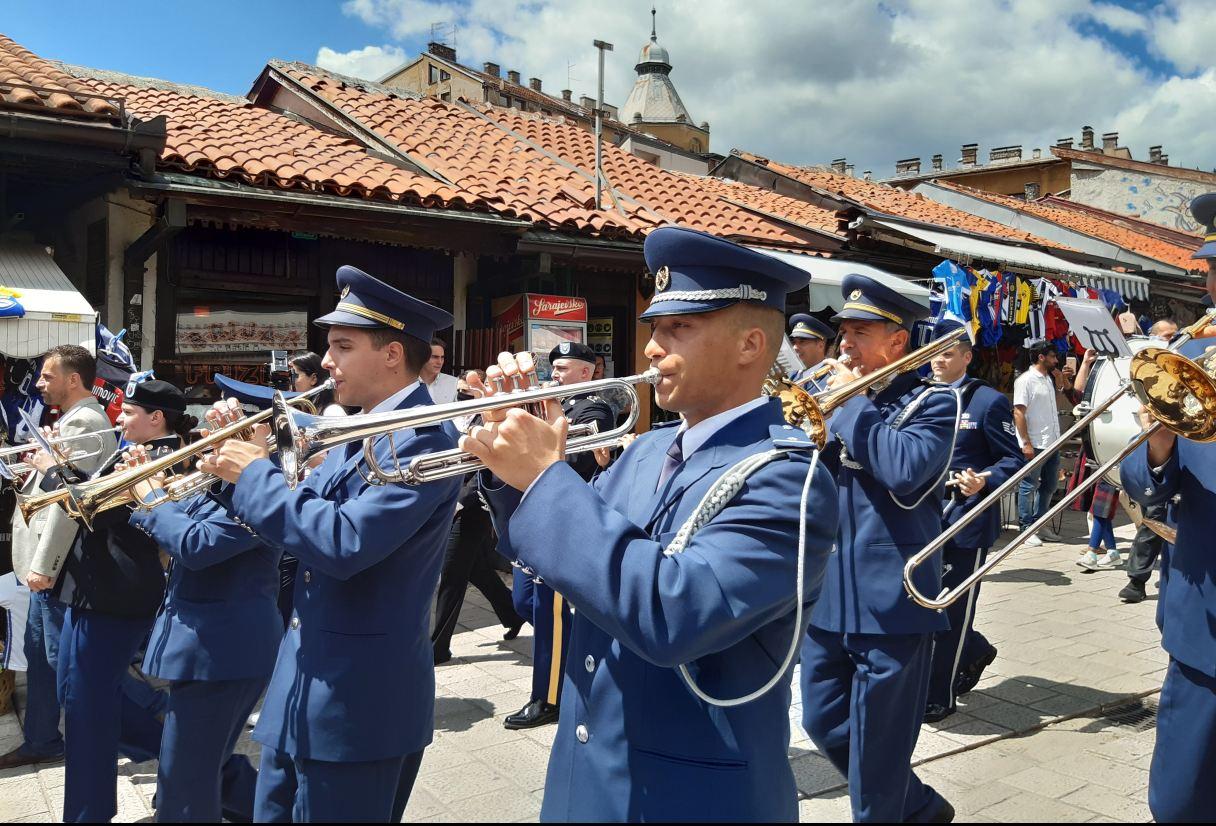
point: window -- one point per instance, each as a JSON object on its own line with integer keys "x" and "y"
{"x": 434, "y": 74}
{"x": 446, "y": 96}
{"x": 444, "y": 75}
{"x": 695, "y": 146}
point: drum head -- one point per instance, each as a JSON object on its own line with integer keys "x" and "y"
{"x": 1110, "y": 432}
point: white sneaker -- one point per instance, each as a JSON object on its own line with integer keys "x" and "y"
{"x": 1033, "y": 540}
{"x": 1111, "y": 562}
{"x": 253, "y": 719}
{"x": 1089, "y": 561}
{"x": 1050, "y": 535}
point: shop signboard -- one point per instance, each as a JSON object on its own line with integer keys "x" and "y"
{"x": 538, "y": 323}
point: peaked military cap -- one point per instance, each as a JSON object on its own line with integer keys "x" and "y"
{"x": 572, "y": 350}
{"x": 257, "y": 395}
{"x": 1203, "y": 210}
{"x": 697, "y": 273}
{"x": 868, "y": 300}
{"x": 365, "y": 301}
{"x": 803, "y": 325}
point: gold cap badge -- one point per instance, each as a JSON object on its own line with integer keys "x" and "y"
{"x": 345, "y": 291}
{"x": 856, "y": 294}
{"x": 662, "y": 279}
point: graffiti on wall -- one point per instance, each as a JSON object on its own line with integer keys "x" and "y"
{"x": 1157, "y": 198}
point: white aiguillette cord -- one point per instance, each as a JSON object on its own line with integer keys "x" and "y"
{"x": 715, "y": 499}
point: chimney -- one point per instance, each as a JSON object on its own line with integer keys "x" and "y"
{"x": 1087, "y": 137}
{"x": 908, "y": 166}
{"x": 867, "y": 175}
{"x": 588, "y": 103}
{"x": 1165, "y": 159}
{"x": 566, "y": 93}
{"x": 1064, "y": 143}
{"x": 971, "y": 153}
{"x": 1037, "y": 153}
{"x": 491, "y": 69}
{"x": 534, "y": 83}
{"x": 1031, "y": 191}
{"x": 1005, "y": 153}
{"x": 1110, "y": 141}
{"x": 440, "y": 50}
{"x": 848, "y": 170}
{"x": 513, "y": 77}
{"x": 838, "y": 165}
{"x": 937, "y": 163}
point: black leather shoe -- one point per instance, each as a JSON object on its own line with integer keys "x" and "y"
{"x": 20, "y": 757}
{"x": 1133, "y": 591}
{"x": 935, "y": 713}
{"x": 944, "y": 813}
{"x": 441, "y": 658}
{"x": 513, "y": 631}
{"x": 969, "y": 676}
{"x": 535, "y": 713}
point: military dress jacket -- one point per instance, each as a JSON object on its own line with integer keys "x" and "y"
{"x": 1186, "y": 606}
{"x": 633, "y": 741}
{"x": 986, "y": 442}
{"x": 586, "y": 409}
{"x": 355, "y": 676}
{"x": 889, "y": 456}
{"x": 220, "y": 618}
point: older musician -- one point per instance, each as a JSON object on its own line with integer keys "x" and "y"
{"x": 865, "y": 660}
{"x": 350, "y": 706}
{"x": 639, "y": 737}
{"x": 1180, "y": 784}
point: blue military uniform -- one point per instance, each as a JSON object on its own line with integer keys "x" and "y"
{"x": 1180, "y": 784}
{"x": 865, "y": 660}
{"x": 546, "y": 609}
{"x": 986, "y": 442}
{"x": 350, "y": 706}
{"x": 215, "y": 640}
{"x": 634, "y": 742}
{"x": 806, "y": 326}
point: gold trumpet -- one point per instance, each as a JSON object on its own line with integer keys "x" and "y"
{"x": 85, "y": 500}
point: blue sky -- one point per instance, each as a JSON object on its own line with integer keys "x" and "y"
{"x": 797, "y": 80}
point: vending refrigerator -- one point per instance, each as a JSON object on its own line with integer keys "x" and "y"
{"x": 538, "y": 323}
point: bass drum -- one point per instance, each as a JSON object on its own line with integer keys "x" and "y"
{"x": 1110, "y": 432}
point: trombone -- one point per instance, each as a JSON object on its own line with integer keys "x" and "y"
{"x": 86, "y": 499}
{"x": 1179, "y": 392}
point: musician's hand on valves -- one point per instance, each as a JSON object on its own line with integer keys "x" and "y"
{"x": 516, "y": 446}
{"x": 136, "y": 456}
{"x": 223, "y": 413}
{"x": 842, "y": 374}
{"x": 229, "y": 461}
{"x": 42, "y": 461}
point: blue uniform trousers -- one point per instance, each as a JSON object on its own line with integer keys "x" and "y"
{"x": 201, "y": 728}
{"x": 961, "y": 644}
{"x": 42, "y": 629}
{"x": 95, "y": 651}
{"x": 299, "y": 790}
{"x": 863, "y": 697}
{"x": 1180, "y": 783}
{"x": 549, "y": 614}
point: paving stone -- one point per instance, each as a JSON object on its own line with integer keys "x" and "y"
{"x": 1043, "y": 782}
{"x": 1128, "y": 807}
{"x": 1033, "y": 808}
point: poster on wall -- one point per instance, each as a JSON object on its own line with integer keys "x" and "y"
{"x": 204, "y": 330}
{"x": 1093, "y": 326}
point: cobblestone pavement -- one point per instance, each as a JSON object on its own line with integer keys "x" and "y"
{"x": 1036, "y": 741}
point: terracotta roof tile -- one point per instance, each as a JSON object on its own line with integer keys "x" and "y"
{"x": 1098, "y": 223}
{"x": 30, "y": 82}
{"x": 895, "y": 202}
{"x": 219, "y": 137}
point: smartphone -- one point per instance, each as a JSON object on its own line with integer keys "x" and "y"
{"x": 1071, "y": 363}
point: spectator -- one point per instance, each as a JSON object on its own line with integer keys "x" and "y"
{"x": 307, "y": 373}
{"x": 1037, "y": 421}
{"x": 441, "y": 385}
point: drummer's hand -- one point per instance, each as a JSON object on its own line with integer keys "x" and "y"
{"x": 841, "y": 374}
{"x": 970, "y": 483}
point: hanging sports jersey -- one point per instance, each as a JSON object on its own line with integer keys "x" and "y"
{"x": 989, "y": 309}
{"x": 1023, "y": 301}
{"x": 956, "y": 287}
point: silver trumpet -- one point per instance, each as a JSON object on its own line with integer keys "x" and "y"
{"x": 299, "y": 437}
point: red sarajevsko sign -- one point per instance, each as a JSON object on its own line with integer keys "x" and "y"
{"x": 557, "y": 307}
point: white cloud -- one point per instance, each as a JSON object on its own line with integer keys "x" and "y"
{"x": 870, "y": 81}
{"x": 370, "y": 62}
{"x": 1183, "y": 32}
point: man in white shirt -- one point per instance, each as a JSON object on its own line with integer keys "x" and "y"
{"x": 1037, "y": 421}
{"x": 441, "y": 386}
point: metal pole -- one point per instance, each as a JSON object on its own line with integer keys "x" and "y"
{"x": 599, "y": 121}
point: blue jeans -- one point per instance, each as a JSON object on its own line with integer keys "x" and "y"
{"x": 1036, "y": 489}
{"x": 42, "y": 629}
{"x": 1103, "y": 533}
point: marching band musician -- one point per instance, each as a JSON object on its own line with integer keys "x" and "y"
{"x": 986, "y": 453}
{"x": 865, "y": 660}
{"x": 634, "y": 741}
{"x": 810, "y": 337}
{"x": 536, "y": 602}
{"x": 113, "y": 584}
{"x": 1184, "y": 759}
{"x": 350, "y": 706}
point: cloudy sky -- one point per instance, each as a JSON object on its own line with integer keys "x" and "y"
{"x": 797, "y": 80}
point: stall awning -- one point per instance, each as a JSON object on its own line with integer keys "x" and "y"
{"x": 827, "y": 273}
{"x": 1020, "y": 258}
{"x": 55, "y": 313}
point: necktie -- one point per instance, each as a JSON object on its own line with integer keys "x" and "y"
{"x": 675, "y": 457}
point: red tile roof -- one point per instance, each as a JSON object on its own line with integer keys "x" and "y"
{"x": 31, "y": 83}
{"x": 1107, "y": 226}
{"x": 542, "y": 167}
{"x": 895, "y": 202}
{"x": 221, "y": 137}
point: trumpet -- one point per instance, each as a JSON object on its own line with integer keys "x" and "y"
{"x": 16, "y": 468}
{"x": 85, "y": 500}
{"x": 1178, "y": 391}
{"x": 299, "y": 437}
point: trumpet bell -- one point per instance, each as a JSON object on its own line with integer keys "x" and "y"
{"x": 1179, "y": 391}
